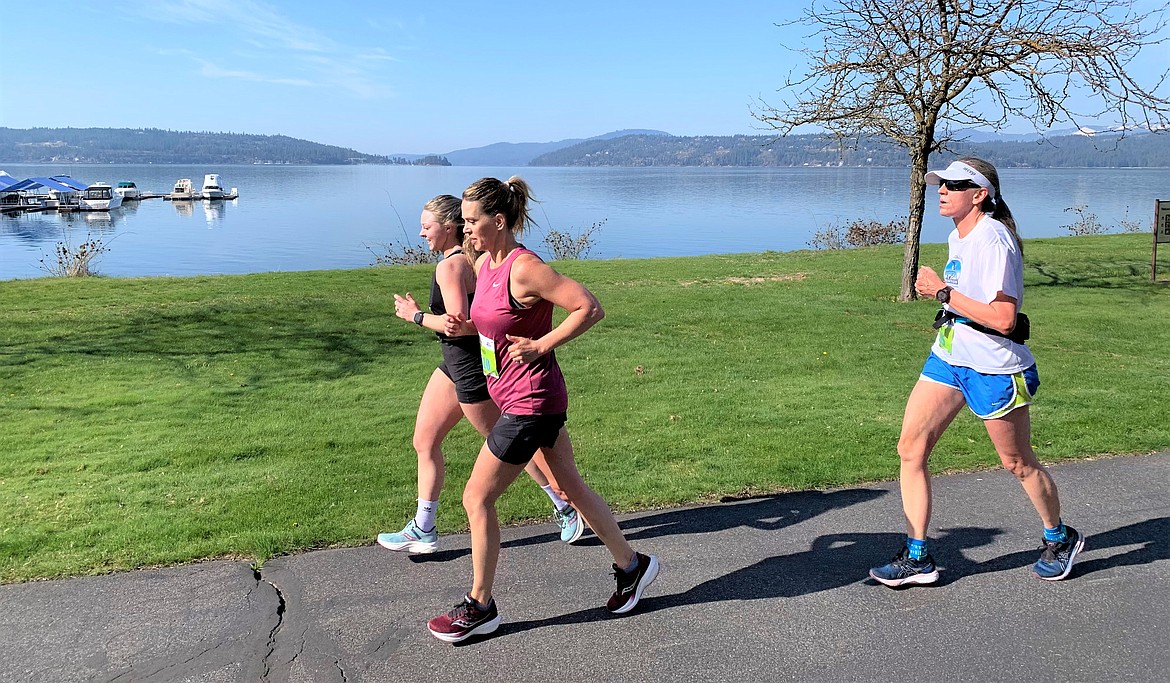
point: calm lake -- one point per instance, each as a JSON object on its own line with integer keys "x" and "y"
{"x": 326, "y": 217}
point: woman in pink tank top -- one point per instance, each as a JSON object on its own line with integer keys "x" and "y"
{"x": 515, "y": 294}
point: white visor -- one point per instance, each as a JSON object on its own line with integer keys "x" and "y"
{"x": 961, "y": 171}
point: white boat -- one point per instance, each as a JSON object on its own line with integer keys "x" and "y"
{"x": 128, "y": 190}
{"x": 99, "y": 197}
{"x": 211, "y": 187}
{"x": 183, "y": 190}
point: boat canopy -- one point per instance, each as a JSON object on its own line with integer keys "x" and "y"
{"x": 6, "y": 180}
{"x": 57, "y": 183}
{"x": 67, "y": 180}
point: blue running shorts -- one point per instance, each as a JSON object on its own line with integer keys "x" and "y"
{"x": 988, "y": 396}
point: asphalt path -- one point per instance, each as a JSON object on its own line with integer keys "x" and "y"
{"x": 771, "y": 588}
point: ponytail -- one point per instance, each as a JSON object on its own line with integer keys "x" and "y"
{"x": 995, "y": 206}
{"x": 510, "y": 198}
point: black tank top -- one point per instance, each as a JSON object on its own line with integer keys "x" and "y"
{"x": 438, "y": 307}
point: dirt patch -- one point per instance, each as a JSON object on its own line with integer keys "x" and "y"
{"x": 754, "y": 280}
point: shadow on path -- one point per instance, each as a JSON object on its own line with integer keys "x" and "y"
{"x": 769, "y": 513}
{"x": 837, "y": 560}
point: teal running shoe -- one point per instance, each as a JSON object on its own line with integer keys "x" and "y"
{"x": 411, "y": 539}
{"x": 1056, "y": 560}
{"x": 571, "y": 524}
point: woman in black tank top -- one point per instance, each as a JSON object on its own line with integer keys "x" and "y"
{"x": 457, "y": 388}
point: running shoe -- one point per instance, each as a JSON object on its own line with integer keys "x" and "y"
{"x": 630, "y": 585}
{"x": 902, "y": 570}
{"x": 1056, "y": 560}
{"x": 571, "y": 524}
{"x": 465, "y": 620}
{"x": 411, "y": 539}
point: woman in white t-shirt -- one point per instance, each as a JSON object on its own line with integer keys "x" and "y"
{"x": 979, "y": 359}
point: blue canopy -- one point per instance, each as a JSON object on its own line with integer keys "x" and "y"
{"x": 58, "y": 183}
{"x": 66, "y": 180}
{"x": 6, "y": 180}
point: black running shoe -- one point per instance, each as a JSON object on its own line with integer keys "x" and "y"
{"x": 464, "y": 621}
{"x": 902, "y": 570}
{"x": 1056, "y": 560}
{"x": 630, "y": 585}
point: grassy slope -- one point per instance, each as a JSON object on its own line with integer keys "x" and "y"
{"x": 153, "y": 421}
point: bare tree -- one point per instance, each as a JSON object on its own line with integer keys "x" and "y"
{"x": 917, "y": 71}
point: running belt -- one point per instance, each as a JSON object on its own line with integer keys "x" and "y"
{"x": 1019, "y": 334}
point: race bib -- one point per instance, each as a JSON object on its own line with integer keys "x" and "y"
{"x": 946, "y": 337}
{"x": 487, "y": 355}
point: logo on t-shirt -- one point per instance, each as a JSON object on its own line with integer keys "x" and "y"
{"x": 951, "y": 272}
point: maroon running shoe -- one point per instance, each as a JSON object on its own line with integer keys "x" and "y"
{"x": 464, "y": 621}
{"x": 630, "y": 585}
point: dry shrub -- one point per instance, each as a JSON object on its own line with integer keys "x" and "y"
{"x": 70, "y": 261}
{"x": 860, "y": 233}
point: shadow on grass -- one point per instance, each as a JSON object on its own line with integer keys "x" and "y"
{"x": 304, "y": 340}
{"x": 837, "y": 560}
{"x": 1126, "y": 276}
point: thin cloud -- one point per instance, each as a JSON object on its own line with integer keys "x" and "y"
{"x": 214, "y": 71}
{"x": 285, "y": 44}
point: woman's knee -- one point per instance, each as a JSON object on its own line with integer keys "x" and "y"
{"x": 427, "y": 445}
{"x": 476, "y": 502}
{"x": 1019, "y": 465}
{"x": 912, "y": 451}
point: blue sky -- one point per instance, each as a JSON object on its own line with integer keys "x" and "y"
{"x": 392, "y": 77}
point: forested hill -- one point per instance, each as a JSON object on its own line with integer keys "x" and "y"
{"x": 1140, "y": 150}
{"x": 155, "y": 146}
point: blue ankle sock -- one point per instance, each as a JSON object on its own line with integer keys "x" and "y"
{"x": 916, "y": 547}
{"x": 1058, "y": 534}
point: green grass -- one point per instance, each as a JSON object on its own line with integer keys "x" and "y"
{"x": 155, "y": 421}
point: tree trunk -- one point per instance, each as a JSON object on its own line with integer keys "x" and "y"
{"x": 918, "y": 160}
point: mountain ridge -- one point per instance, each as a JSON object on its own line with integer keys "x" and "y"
{"x": 521, "y": 153}
{"x": 1069, "y": 148}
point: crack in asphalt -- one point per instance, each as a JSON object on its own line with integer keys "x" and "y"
{"x": 280, "y": 607}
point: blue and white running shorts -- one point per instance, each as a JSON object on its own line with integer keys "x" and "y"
{"x": 988, "y": 396}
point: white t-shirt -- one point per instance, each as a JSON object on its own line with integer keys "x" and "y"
{"x": 982, "y": 264}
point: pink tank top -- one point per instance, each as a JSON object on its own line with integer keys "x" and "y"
{"x": 536, "y": 388}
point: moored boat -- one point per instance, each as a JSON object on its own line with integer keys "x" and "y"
{"x": 211, "y": 187}
{"x": 128, "y": 190}
{"x": 99, "y": 197}
{"x": 183, "y": 191}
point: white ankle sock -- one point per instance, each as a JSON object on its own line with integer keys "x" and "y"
{"x": 424, "y": 516}
{"x": 556, "y": 500}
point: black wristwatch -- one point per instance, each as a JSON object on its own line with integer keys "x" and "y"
{"x": 418, "y": 316}
{"x": 943, "y": 295}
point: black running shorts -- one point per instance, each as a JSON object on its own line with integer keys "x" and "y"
{"x": 463, "y": 366}
{"x": 515, "y": 438}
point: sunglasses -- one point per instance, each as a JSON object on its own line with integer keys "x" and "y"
{"x": 958, "y": 185}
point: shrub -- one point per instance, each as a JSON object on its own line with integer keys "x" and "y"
{"x": 1086, "y": 222}
{"x": 566, "y": 245}
{"x": 831, "y": 237}
{"x": 1131, "y": 225}
{"x": 860, "y": 233}
{"x": 402, "y": 254}
{"x": 68, "y": 261}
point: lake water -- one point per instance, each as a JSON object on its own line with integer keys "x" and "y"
{"x": 327, "y": 217}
